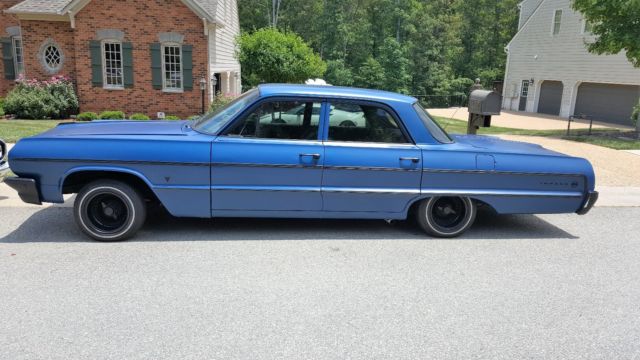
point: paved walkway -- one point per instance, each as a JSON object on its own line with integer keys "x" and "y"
{"x": 523, "y": 120}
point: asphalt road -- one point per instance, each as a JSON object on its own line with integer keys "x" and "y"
{"x": 560, "y": 286}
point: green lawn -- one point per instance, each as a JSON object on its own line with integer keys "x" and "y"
{"x": 600, "y": 137}
{"x": 14, "y": 130}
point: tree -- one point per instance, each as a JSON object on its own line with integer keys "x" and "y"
{"x": 616, "y": 24}
{"x": 370, "y": 75}
{"x": 268, "y": 55}
{"x": 395, "y": 64}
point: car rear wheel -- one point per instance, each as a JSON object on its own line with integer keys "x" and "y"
{"x": 109, "y": 210}
{"x": 446, "y": 216}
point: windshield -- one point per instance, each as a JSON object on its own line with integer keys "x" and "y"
{"x": 212, "y": 123}
{"x": 434, "y": 128}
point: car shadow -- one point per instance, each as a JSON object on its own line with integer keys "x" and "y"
{"x": 56, "y": 224}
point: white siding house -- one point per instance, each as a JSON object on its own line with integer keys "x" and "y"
{"x": 549, "y": 69}
{"x": 222, "y": 48}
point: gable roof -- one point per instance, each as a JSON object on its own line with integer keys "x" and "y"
{"x": 204, "y": 8}
{"x": 533, "y": 13}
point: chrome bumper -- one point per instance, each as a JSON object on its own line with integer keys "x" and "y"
{"x": 27, "y": 189}
{"x": 591, "y": 200}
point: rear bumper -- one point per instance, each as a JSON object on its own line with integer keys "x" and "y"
{"x": 591, "y": 200}
{"x": 27, "y": 189}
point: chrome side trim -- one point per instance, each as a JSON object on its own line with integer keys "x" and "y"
{"x": 265, "y": 188}
{"x": 368, "y": 168}
{"x": 371, "y": 190}
{"x": 119, "y": 162}
{"x": 517, "y": 193}
{"x": 286, "y": 166}
{"x": 497, "y": 172}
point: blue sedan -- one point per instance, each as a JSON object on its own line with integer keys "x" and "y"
{"x": 293, "y": 151}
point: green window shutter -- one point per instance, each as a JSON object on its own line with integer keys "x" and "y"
{"x": 187, "y": 66}
{"x": 156, "y": 66}
{"x": 127, "y": 64}
{"x": 96, "y": 63}
{"x": 7, "y": 59}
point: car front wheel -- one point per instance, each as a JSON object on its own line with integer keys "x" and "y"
{"x": 446, "y": 216}
{"x": 109, "y": 210}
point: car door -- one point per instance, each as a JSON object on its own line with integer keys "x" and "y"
{"x": 371, "y": 164}
{"x": 269, "y": 160}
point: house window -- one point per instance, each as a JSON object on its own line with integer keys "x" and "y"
{"x": 557, "y": 20}
{"x": 112, "y": 65}
{"x": 18, "y": 57}
{"x": 586, "y": 27}
{"x": 525, "y": 89}
{"x": 52, "y": 58}
{"x": 172, "y": 67}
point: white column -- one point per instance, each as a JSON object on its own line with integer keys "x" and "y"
{"x": 569, "y": 95}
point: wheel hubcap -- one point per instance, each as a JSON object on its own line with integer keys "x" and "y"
{"x": 107, "y": 213}
{"x": 448, "y": 212}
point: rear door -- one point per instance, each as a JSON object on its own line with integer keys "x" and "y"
{"x": 270, "y": 160}
{"x": 371, "y": 165}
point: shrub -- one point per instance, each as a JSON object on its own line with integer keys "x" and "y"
{"x": 87, "y": 116}
{"x": 33, "y": 99}
{"x": 220, "y": 101}
{"x": 139, "y": 116}
{"x": 171, "y": 117}
{"x": 111, "y": 115}
{"x": 1, "y": 107}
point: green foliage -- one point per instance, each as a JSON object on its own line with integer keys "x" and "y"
{"x": 139, "y": 116}
{"x": 87, "y": 116}
{"x": 172, "y": 117}
{"x": 220, "y": 101}
{"x": 268, "y": 55}
{"x": 338, "y": 73}
{"x": 635, "y": 116}
{"x": 111, "y": 115}
{"x": 370, "y": 75}
{"x": 33, "y": 99}
{"x": 421, "y": 47}
{"x": 1, "y": 106}
{"x": 616, "y": 26}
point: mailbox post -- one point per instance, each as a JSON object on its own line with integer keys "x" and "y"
{"x": 482, "y": 105}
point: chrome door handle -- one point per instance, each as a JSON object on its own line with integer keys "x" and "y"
{"x": 412, "y": 159}
{"x": 314, "y": 156}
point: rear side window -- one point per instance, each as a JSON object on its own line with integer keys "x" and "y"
{"x": 436, "y": 131}
{"x": 287, "y": 120}
{"x": 363, "y": 123}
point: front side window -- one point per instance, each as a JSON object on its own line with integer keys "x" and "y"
{"x": 172, "y": 67}
{"x": 112, "y": 65}
{"x": 363, "y": 123}
{"x": 286, "y": 120}
{"x": 18, "y": 57}
{"x": 557, "y": 21}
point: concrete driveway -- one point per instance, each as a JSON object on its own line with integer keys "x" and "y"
{"x": 524, "y": 120}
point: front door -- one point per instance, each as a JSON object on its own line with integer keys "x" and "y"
{"x": 371, "y": 164}
{"x": 270, "y": 160}
{"x": 524, "y": 93}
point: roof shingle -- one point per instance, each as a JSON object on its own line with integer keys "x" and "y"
{"x": 57, "y": 7}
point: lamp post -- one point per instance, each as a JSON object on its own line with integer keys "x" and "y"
{"x": 203, "y": 87}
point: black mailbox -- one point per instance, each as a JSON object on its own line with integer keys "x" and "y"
{"x": 482, "y": 105}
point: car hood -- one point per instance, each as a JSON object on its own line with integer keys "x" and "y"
{"x": 118, "y": 127}
{"x": 494, "y": 144}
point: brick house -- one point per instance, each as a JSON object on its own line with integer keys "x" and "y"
{"x": 144, "y": 56}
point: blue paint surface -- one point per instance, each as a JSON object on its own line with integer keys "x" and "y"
{"x": 196, "y": 174}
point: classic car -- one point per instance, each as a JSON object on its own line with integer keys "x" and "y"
{"x": 396, "y": 163}
{"x": 4, "y": 165}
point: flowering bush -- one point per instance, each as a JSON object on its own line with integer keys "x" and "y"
{"x": 33, "y": 99}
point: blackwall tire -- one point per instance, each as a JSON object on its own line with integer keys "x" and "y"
{"x": 109, "y": 210}
{"x": 446, "y": 216}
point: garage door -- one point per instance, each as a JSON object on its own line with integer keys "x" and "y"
{"x": 550, "y": 97}
{"x": 606, "y": 102}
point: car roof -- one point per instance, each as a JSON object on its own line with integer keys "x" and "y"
{"x": 332, "y": 91}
